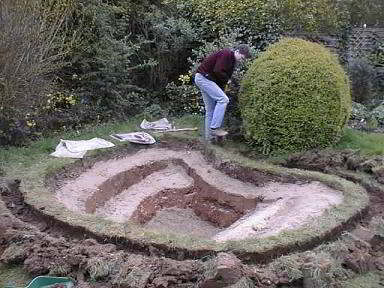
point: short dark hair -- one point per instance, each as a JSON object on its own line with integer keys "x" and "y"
{"x": 244, "y": 50}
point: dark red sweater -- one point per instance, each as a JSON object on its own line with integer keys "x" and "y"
{"x": 218, "y": 66}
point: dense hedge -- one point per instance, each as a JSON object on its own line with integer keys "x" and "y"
{"x": 295, "y": 96}
{"x": 259, "y": 15}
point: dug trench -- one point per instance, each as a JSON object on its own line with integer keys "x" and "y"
{"x": 171, "y": 181}
{"x": 56, "y": 236}
{"x": 206, "y": 201}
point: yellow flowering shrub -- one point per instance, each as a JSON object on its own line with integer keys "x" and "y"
{"x": 59, "y": 100}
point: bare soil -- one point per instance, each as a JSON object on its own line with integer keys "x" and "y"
{"x": 143, "y": 186}
{"x": 349, "y": 164}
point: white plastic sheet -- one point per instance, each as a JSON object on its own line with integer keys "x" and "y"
{"x": 135, "y": 137}
{"x": 77, "y": 149}
{"x": 162, "y": 124}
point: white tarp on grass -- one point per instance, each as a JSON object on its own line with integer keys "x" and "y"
{"x": 77, "y": 149}
{"x": 162, "y": 124}
{"x": 135, "y": 137}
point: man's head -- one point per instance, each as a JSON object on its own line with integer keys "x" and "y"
{"x": 242, "y": 52}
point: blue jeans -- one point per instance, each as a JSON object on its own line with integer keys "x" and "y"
{"x": 215, "y": 102}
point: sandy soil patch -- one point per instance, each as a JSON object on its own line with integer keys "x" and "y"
{"x": 179, "y": 192}
{"x": 121, "y": 207}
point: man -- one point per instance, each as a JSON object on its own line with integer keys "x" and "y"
{"x": 211, "y": 77}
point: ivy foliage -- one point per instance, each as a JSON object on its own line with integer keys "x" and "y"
{"x": 294, "y": 97}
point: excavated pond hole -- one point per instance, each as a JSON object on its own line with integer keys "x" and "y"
{"x": 180, "y": 192}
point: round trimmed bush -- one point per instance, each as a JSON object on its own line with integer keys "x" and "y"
{"x": 294, "y": 97}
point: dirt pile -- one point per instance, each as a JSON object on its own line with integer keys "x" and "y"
{"x": 330, "y": 161}
{"x": 104, "y": 265}
{"x": 86, "y": 259}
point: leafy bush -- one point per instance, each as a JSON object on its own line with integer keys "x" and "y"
{"x": 378, "y": 114}
{"x": 154, "y": 112}
{"x": 119, "y": 55}
{"x": 105, "y": 63}
{"x": 359, "y": 111}
{"x": 126, "y": 51}
{"x": 182, "y": 99}
{"x": 295, "y": 96}
{"x": 325, "y": 16}
{"x": 256, "y": 15}
{"x": 172, "y": 38}
{"x": 362, "y": 75}
{"x": 365, "y": 12}
{"x": 69, "y": 118}
{"x": 377, "y": 60}
{"x": 182, "y": 96}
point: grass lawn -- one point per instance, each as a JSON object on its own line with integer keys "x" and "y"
{"x": 369, "y": 280}
{"x": 13, "y": 276}
{"x": 367, "y": 143}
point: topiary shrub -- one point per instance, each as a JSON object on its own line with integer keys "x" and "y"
{"x": 294, "y": 97}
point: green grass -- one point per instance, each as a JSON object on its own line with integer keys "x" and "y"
{"x": 369, "y": 280}
{"x": 38, "y": 150}
{"x": 367, "y": 143}
{"x": 13, "y": 276}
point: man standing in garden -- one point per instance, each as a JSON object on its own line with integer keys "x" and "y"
{"x": 212, "y": 75}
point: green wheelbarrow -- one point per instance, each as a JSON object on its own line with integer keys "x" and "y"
{"x": 50, "y": 282}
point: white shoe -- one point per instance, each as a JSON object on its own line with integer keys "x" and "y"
{"x": 218, "y": 132}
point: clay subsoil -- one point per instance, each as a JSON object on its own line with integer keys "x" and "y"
{"x": 43, "y": 245}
